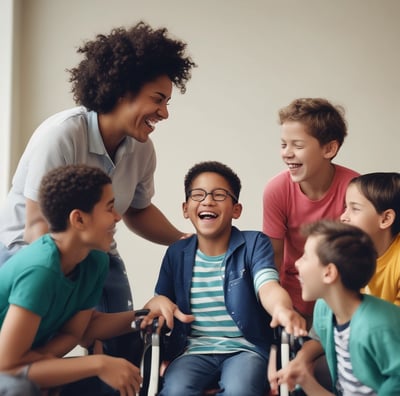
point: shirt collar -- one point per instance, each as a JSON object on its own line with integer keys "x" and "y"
{"x": 96, "y": 144}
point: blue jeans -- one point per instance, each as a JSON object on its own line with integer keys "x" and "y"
{"x": 117, "y": 297}
{"x": 238, "y": 374}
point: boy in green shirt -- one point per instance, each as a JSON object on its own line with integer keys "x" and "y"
{"x": 358, "y": 333}
{"x": 48, "y": 290}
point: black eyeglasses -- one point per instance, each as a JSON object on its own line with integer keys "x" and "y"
{"x": 218, "y": 194}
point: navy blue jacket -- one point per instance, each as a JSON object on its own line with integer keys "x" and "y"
{"x": 248, "y": 252}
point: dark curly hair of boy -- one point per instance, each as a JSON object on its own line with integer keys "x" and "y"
{"x": 70, "y": 187}
{"x": 123, "y": 61}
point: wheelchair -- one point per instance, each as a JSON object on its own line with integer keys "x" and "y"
{"x": 285, "y": 344}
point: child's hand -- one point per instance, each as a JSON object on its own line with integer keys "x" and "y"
{"x": 295, "y": 372}
{"x": 164, "y": 308}
{"x": 292, "y": 322}
{"x": 119, "y": 374}
{"x": 299, "y": 372}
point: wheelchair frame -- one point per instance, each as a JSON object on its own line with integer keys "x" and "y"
{"x": 150, "y": 362}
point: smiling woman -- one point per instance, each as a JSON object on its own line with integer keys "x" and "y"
{"x": 122, "y": 87}
{"x": 136, "y": 115}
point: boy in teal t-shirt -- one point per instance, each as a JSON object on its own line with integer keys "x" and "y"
{"x": 48, "y": 291}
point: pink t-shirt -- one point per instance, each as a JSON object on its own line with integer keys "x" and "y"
{"x": 286, "y": 209}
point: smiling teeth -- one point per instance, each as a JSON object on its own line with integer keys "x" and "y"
{"x": 207, "y": 215}
{"x": 293, "y": 166}
{"x": 151, "y": 123}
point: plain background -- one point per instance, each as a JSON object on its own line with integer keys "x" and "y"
{"x": 253, "y": 58}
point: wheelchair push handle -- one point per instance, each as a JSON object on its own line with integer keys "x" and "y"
{"x": 139, "y": 315}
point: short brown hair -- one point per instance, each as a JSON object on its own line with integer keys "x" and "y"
{"x": 323, "y": 120}
{"x": 349, "y": 248}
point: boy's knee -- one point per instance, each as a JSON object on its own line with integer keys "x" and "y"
{"x": 238, "y": 389}
{"x": 177, "y": 388}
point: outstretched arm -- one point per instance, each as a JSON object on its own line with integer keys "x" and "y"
{"x": 103, "y": 326}
{"x": 278, "y": 304}
{"x": 277, "y": 245}
{"x": 151, "y": 224}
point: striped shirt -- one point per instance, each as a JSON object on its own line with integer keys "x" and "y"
{"x": 213, "y": 330}
{"x": 347, "y": 383}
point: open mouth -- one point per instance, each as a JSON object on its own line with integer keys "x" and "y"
{"x": 112, "y": 231}
{"x": 151, "y": 123}
{"x": 207, "y": 215}
{"x": 294, "y": 166}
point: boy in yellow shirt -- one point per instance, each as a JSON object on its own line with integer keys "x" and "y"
{"x": 373, "y": 204}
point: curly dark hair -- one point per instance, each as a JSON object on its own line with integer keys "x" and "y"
{"x": 70, "y": 187}
{"x": 123, "y": 61}
{"x": 214, "y": 167}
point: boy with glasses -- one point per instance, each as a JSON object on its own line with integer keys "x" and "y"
{"x": 227, "y": 280}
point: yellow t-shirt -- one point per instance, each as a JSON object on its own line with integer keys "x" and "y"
{"x": 385, "y": 283}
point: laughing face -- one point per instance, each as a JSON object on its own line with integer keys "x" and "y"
{"x": 101, "y": 221}
{"x": 360, "y": 212}
{"x": 212, "y": 219}
{"x": 301, "y": 152}
{"x": 311, "y": 271}
{"x": 137, "y": 115}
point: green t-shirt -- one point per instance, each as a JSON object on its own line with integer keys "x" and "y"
{"x": 33, "y": 279}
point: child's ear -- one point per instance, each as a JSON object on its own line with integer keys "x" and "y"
{"x": 387, "y": 218}
{"x": 76, "y": 219}
{"x": 330, "y": 273}
{"x": 237, "y": 210}
{"x": 331, "y": 149}
{"x": 184, "y": 210}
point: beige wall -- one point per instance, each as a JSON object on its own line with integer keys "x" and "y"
{"x": 254, "y": 57}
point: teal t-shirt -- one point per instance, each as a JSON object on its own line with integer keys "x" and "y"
{"x": 33, "y": 279}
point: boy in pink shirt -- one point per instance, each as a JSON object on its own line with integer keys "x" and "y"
{"x": 312, "y": 188}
